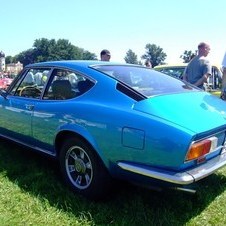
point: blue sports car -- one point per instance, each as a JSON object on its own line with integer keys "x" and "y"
{"x": 104, "y": 120}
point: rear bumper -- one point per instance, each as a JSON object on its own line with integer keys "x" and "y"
{"x": 180, "y": 178}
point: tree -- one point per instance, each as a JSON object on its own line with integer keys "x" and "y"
{"x": 86, "y": 55}
{"x": 26, "y": 57}
{"x": 155, "y": 54}
{"x": 45, "y": 50}
{"x": 188, "y": 55}
{"x": 50, "y": 50}
{"x": 9, "y": 60}
{"x": 131, "y": 57}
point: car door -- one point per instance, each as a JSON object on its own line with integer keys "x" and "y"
{"x": 17, "y": 108}
{"x": 50, "y": 111}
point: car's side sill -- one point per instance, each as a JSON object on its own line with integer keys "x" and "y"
{"x": 180, "y": 178}
{"x": 29, "y": 146}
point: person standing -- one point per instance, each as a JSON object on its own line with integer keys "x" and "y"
{"x": 199, "y": 69}
{"x": 105, "y": 55}
{"x": 148, "y": 63}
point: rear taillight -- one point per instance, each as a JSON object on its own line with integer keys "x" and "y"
{"x": 201, "y": 148}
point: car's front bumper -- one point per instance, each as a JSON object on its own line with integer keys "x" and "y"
{"x": 180, "y": 178}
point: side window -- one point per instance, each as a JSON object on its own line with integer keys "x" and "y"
{"x": 31, "y": 83}
{"x": 66, "y": 84}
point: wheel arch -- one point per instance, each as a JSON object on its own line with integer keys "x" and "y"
{"x": 65, "y": 134}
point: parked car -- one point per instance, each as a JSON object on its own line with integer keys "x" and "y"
{"x": 106, "y": 121}
{"x": 174, "y": 70}
{"x": 177, "y": 70}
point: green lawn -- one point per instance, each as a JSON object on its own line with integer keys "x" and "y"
{"x": 32, "y": 193}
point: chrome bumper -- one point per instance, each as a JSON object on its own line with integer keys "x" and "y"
{"x": 180, "y": 178}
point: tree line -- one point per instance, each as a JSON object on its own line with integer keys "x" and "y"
{"x": 50, "y": 50}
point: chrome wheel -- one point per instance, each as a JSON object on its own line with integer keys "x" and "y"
{"x": 83, "y": 170}
{"x": 78, "y": 167}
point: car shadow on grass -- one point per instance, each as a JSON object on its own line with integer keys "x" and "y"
{"x": 127, "y": 205}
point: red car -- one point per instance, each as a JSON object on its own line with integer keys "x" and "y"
{"x": 5, "y": 82}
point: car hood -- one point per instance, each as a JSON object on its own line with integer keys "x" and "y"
{"x": 196, "y": 111}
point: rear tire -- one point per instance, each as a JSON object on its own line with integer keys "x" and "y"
{"x": 83, "y": 170}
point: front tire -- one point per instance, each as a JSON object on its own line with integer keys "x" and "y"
{"x": 83, "y": 170}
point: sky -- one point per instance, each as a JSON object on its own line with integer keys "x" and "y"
{"x": 116, "y": 25}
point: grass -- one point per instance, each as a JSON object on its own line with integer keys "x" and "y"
{"x": 32, "y": 193}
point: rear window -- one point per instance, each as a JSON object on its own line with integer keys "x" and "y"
{"x": 146, "y": 81}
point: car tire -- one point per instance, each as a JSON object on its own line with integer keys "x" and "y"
{"x": 83, "y": 170}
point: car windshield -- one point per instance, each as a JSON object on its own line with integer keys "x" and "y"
{"x": 145, "y": 80}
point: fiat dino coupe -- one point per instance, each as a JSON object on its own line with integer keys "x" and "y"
{"x": 104, "y": 120}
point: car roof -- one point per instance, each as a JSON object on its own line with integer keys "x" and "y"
{"x": 72, "y": 63}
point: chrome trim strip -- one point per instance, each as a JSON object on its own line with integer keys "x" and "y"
{"x": 212, "y": 135}
{"x": 29, "y": 146}
{"x": 182, "y": 178}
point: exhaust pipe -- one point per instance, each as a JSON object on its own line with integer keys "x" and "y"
{"x": 189, "y": 190}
